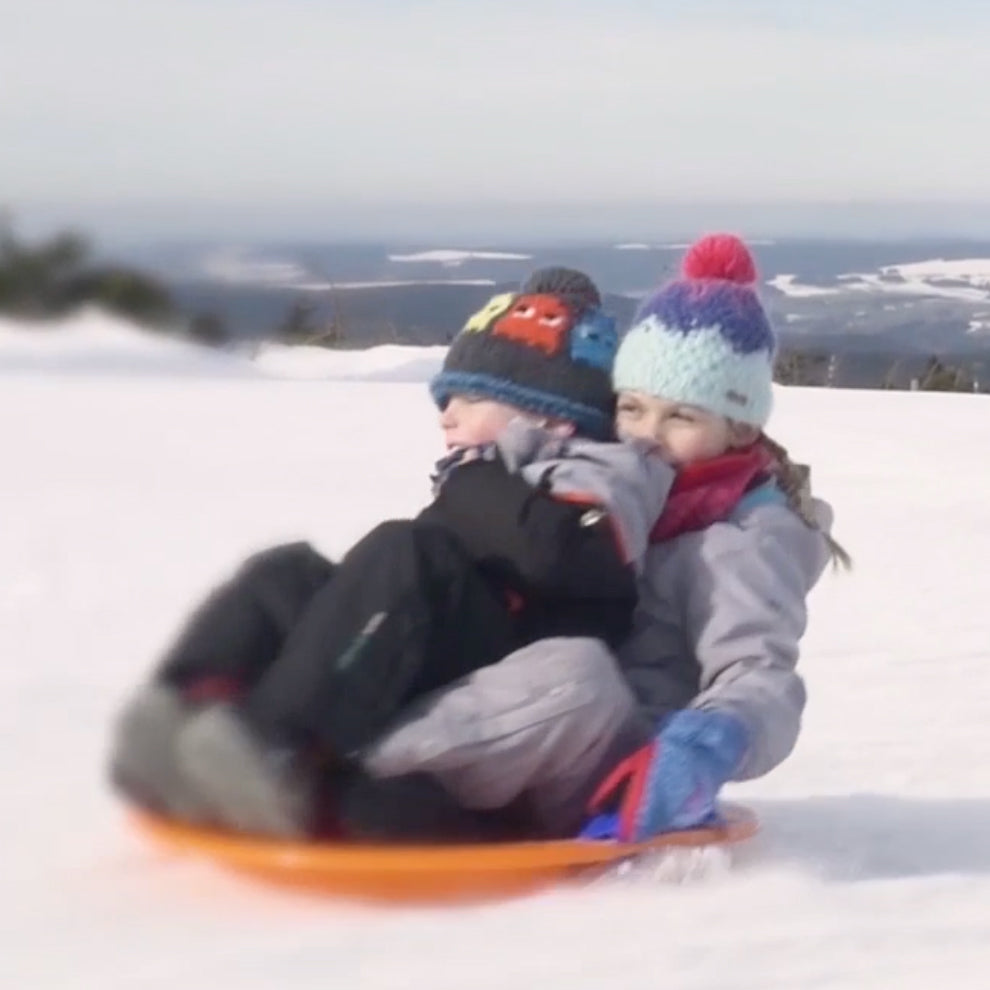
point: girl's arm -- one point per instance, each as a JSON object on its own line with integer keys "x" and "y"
{"x": 745, "y": 614}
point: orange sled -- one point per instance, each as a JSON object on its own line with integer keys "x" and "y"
{"x": 427, "y": 872}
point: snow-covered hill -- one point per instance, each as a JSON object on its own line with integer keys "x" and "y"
{"x": 126, "y": 494}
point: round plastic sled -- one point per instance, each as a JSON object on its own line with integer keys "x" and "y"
{"x": 382, "y": 872}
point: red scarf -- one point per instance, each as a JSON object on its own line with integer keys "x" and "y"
{"x": 707, "y": 492}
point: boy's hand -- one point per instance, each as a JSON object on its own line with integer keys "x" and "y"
{"x": 524, "y": 442}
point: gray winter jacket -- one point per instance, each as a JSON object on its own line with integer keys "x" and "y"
{"x": 627, "y": 480}
{"x": 720, "y": 616}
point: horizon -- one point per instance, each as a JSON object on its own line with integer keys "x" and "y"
{"x": 124, "y": 224}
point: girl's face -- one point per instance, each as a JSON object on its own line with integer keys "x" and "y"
{"x": 681, "y": 434}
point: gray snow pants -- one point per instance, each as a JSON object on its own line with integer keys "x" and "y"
{"x": 544, "y": 725}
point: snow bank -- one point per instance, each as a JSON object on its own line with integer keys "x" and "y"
{"x": 386, "y": 363}
{"x": 91, "y": 342}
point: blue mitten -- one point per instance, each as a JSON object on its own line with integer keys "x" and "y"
{"x": 673, "y": 782}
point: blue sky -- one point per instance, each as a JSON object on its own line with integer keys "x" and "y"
{"x": 299, "y": 111}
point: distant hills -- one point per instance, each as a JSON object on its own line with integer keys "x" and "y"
{"x": 883, "y": 300}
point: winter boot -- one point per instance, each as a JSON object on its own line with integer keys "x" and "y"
{"x": 143, "y": 764}
{"x": 250, "y": 784}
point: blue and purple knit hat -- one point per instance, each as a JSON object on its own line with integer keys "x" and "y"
{"x": 704, "y": 339}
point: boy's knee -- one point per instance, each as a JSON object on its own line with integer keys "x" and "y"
{"x": 578, "y": 662}
{"x": 550, "y": 700}
{"x": 288, "y": 560}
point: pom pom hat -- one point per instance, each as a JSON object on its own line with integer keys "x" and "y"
{"x": 704, "y": 339}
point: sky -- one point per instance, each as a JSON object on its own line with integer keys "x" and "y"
{"x": 302, "y": 116}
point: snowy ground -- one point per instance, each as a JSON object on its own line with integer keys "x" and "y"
{"x": 125, "y": 495}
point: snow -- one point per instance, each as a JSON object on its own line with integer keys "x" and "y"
{"x": 387, "y": 362}
{"x": 389, "y": 284}
{"x": 127, "y": 495}
{"x": 231, "y": 265}
{"x": 453, "y": 258}
{"x": 973, "y": 270}
{"x": 923, "y": 278}
{"x": 90, "y": 342}
{"x": 913, "y": 285}
{"x": 789, "y": 285}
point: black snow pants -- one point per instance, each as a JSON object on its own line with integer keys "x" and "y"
{"x": 328, "y": 654}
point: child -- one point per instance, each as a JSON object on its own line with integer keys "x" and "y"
{"x": 536, "y": 530}
{"x": 705, "y": 689}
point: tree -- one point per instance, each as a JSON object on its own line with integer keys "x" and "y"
{"x": 209, "y": 329}
{"x": 892, "y": 376}
{"x": 802, "y": 368}
{"x": 300, "y": 326}
{"x": 297, "y": 326}
{"x": 941, "y": 377}
{"x": 57, "y": 275}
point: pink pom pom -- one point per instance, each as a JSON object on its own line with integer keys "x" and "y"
{"x": 722, "y": 256}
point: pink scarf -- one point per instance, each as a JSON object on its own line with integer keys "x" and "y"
{"x": 707, "y": 492}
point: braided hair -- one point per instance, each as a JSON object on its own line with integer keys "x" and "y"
{"x": 794, "y": 481}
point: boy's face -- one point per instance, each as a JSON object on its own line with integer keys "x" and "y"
{"x": 470, "y": 421}
{"x": 682, "y": 434}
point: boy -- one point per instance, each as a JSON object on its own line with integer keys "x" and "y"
{"x": 526, "y": 411}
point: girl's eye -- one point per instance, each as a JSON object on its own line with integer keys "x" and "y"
{"x": 628, "y": 408}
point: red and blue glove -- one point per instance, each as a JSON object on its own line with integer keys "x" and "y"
{"x": 673, "y": 782}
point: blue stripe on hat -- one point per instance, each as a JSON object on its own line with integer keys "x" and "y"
{"x": 735, "y": 309}
{"x": 589, "y": 420}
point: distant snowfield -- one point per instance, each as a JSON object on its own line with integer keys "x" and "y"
{"x": 234, "y": 266}
{"x": 973, "y": 270}
{"x": 388, "y": 284}
{"x": 935, "y": 278}
{"x": 126, "y": 495}
{"x": 453, "y": 258}
{"x": 239, "y": 266}
{"x": 670, "y": 246}
{"x": 789, "y": 285}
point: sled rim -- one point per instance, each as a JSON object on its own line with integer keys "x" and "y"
{"x": 355, "y": 859}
